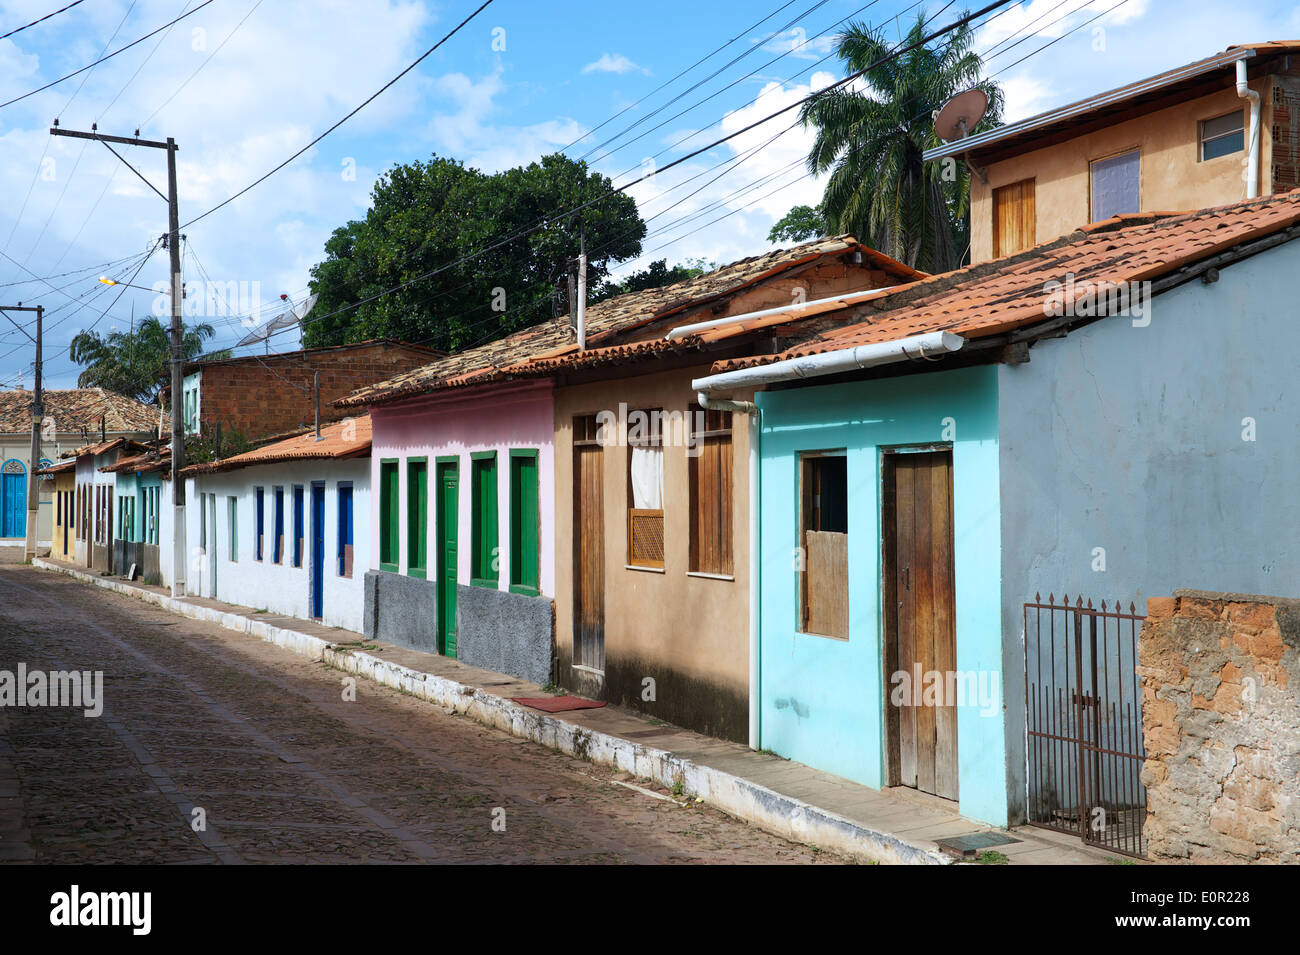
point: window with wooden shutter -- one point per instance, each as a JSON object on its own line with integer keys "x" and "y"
{"x": 824, "y": 542}
{"x": 483, "y": 519}
{"x": 277, "y": 542}
{"x": 259, "y": 510}
{"x": 345, "y": 529}
{"x": 645, "y": 489}
{"x": 417, "y": 516}
{"x": 712, "y": 479}
{"x": 1013, "y": 218}
{"x": 525, "y": 523}
{"x": 388, "y": 528}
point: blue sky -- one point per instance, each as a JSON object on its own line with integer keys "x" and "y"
{"x": 293, "y": 68}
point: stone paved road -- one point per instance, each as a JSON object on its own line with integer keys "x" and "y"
{"x": 283, "y": 768}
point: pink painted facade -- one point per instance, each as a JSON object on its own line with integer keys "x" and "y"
{"x": 459, "y": 423}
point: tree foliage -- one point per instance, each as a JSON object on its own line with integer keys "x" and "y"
{"x": 870, "y": 135}
{"x": 135, "y": 363}
{"x": 800, "y": 224}
{"x": 426, "y": 216}
{"x": 655, "y": 275}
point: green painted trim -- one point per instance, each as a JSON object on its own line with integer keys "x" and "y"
{"x": 447, "y": 459}
{"x": 525, "y": 591}
{"x": 482, "y": 455}
{"x": 390, "y": 568}
{"x": 524, "y": 453}
{"x": 415, "y": 572}
{"x": 480, "y": 582}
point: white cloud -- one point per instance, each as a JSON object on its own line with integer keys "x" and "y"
{"x": 796, "y": 43}
{"x": 614, "y": 63}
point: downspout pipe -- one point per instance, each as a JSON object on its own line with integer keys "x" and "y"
{"x": 1245, "y": 92}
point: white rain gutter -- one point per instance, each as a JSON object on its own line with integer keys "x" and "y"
{"x": 829, "y": 363}
{"x": 681, "y": 331}
{"x": 1246, "y": 93}
{"x": 832, "y": 363}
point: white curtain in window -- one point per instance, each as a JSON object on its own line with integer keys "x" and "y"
{"x": 648, "y": 478}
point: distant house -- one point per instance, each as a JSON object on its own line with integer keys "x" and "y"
{"x": 1108, "y": 415}
{"x": 526, "y": 524}
{"x": 1214, "y": 131}
{"x": 265, "y": 395}
{"x": 73, "y": 418}
{"x": 98, "y": 511}
{"x": 275, "y": 528}
{"x": 143, "y": 516}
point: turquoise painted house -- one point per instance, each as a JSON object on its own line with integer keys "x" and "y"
{"x": 850, "y": 466}
{"x": 933, "y": 462}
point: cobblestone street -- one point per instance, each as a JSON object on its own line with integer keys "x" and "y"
{"x": 283, "y": 768}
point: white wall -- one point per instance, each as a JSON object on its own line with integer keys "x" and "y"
{"x": 279, "y": 588}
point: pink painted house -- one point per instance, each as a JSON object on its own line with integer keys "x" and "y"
{"x": 463, "y": 521}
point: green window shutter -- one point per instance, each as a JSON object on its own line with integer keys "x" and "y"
{"x": 388, "y": 498}
{"x": 485, "y": 537}
{"x": 525, "y": 524}
{"x": 417, "y": 516}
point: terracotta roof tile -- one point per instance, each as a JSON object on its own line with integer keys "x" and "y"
{"x": 349, "y": 438}
{"x": 607, "y": 321}
{"x": 1013, "y": 292}
{"x": 79, "y": 409}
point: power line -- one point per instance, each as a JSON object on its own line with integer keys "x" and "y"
{"x": 366, "y": 102}
{"x": 122, "y": 49}
{"x": 956, "y": 24}
{"x": 42, "y": 19}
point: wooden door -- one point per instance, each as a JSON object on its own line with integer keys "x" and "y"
{"x": 921, "y": 644}
{"x": 588, "y": 548}
{"x": 447, "y": 516}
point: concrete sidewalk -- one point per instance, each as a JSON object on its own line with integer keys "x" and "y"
{"x": 786, "y": 798}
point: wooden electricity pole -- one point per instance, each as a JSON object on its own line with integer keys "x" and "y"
{"x": 178, "y": 329}
{"x": 38, "y": 415}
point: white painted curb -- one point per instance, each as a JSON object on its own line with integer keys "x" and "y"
{"x": 774, "y": 812}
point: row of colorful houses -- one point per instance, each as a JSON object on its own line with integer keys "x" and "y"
{"x": 802, "y": 501}
{"x": 756, "y": 543}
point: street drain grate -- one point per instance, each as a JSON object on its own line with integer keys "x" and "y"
{"x": 964, "y": 847}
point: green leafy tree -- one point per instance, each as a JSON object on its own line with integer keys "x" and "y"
{"x": 800, "y": 224}
{"x": 425, "y": 216}
{"x": 655, "y": 275}
{"x": 870, "y": 141}
{"x": 134, "y": 363}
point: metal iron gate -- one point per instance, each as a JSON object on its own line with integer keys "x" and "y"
{"x": 1083, "y": 712}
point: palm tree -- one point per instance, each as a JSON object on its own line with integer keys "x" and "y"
{"x": 871, "y": 140}
{"x": 135, "y": 363}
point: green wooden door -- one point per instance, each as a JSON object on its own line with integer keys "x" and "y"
{"x": 448, "y": 482}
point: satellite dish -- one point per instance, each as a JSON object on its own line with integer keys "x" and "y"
{"x": 960, "y": 115}
{"x": 284, "y": 320}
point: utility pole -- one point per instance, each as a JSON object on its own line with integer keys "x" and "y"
{"x": 178, "y": 356}
{"x": 38, "y": 415}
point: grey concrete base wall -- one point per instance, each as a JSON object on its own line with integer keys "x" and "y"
{"x": 101, "y": 558}
{"x": 151, "y": 562}
{"x": 505, "y": 632}
{"x": 401, "y": 610}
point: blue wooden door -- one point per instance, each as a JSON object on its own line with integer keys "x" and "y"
{"x": 317, "y": 551}
{"x": 13, "y": 499}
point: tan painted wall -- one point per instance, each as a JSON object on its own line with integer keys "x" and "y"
{"x": 690, "y": 633}
{"x": 1172, "y": 177}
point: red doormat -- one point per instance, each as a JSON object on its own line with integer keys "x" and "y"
{"x": 558, "y": 704}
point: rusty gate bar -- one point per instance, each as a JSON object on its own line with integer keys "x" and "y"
{"x": 1083, "y": 718}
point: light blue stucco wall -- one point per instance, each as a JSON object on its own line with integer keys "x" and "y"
{"x": 822, "y": 699}
{"x": 1130, "y": 439}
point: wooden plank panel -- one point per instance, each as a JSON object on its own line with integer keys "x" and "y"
{"x": 905, "y": 493}
{"x": 828, "y": 590}
{"x": 589, "y": 541}
{"x": 922, "y": 580}
{"x": 945, "y": 643}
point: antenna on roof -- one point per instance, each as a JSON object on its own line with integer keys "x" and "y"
{"x": 958, "y": 117}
